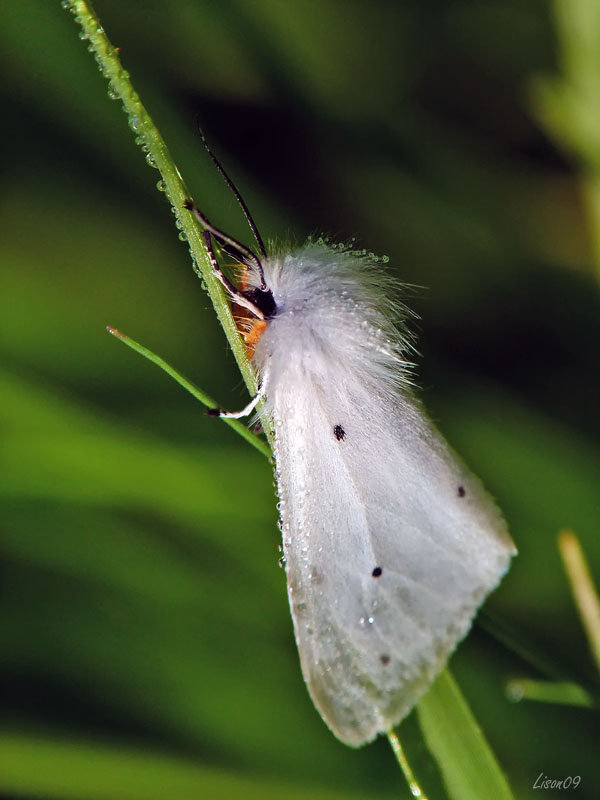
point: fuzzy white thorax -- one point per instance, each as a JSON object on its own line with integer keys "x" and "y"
{"x": 334, "y": 313}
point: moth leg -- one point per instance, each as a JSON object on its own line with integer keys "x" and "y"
{"x": 235, "y": 249}
{"x": 216, "y": 412}
{"x": 238, "y": 296}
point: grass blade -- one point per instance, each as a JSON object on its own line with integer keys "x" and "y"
{"x": 157, "y": 155}
{"x": 584, "y": 592}
{"x": 34, "y": 766}
{"x": 467, "y": 764}
{"x": 204, "y": 398}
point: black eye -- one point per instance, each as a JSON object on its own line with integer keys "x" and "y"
{"x": 264, "y": 301}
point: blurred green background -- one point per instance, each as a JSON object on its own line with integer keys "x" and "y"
{"x": 147, "y": 649}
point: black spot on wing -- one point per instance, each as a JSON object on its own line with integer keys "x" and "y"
{"x": 384, "y": 658}
{"x": 339, "y": 432}
{"x": 461, "y": 491}
{"x": 377, "y": 572}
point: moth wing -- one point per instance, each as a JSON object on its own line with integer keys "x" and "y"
{"x": 390, "y": 545}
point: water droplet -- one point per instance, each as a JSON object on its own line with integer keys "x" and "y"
{"x": 161, "y": 186}
{"x": 282, "y": 562}
{"x": 150, "y": 160}
{"x": 182, "y": 236}
{"x": 515, "y": 691}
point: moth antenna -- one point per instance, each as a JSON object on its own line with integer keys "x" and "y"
{"x": 236, "y": 193}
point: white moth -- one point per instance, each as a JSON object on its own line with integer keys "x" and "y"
{"x": 390, "y": 544}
